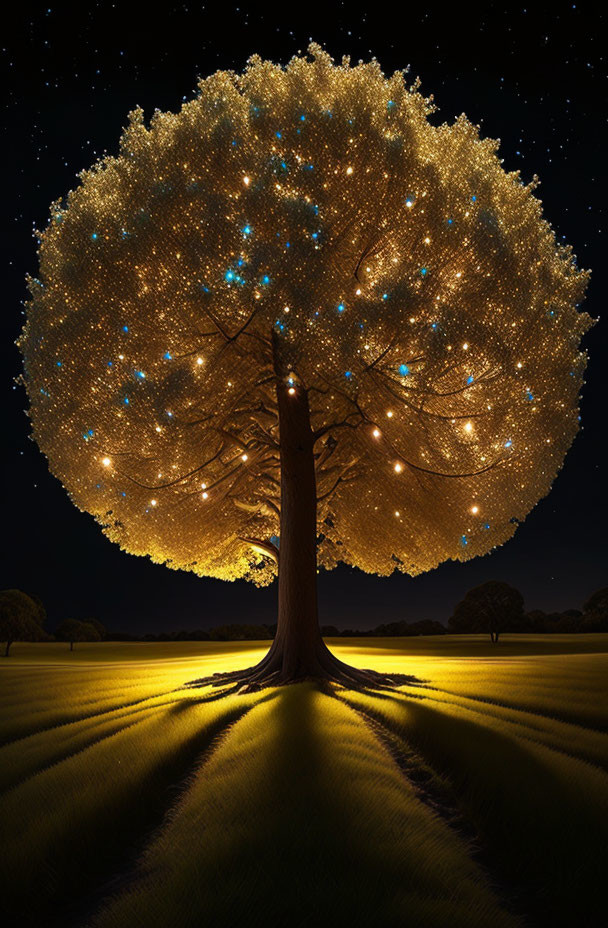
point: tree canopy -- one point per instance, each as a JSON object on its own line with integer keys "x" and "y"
{"x": 21, "y": 618}
{"x": 315, "y": 213}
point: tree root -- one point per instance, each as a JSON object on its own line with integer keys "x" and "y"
{"x": 271, "y": 671}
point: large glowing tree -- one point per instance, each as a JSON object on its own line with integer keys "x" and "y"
{"x": 295, "y": 324}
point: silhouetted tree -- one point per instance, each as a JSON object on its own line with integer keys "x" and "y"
{"x": 491, "y": 607}
{"x": 297, "y": 324}
{"x": 99, "y": 626}
{"x": 21, "y": 618}
{"x": 74, "y": 630}
{"x": 595, "y": 618}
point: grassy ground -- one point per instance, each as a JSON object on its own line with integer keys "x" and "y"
{"x": 475, "y": 797}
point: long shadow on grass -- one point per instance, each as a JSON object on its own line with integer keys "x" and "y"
{"x": 121, "y": 834}
{"x": 542, "y": 826}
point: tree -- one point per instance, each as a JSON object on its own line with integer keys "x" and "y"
{"x": 21, "y": 618}
{"x": 491, "y": 607}
{"x": 74, "y": 630}
{"x": 595, "y": 617}
{"x": 98, "y": 626}
{"x": 297, "y": 324}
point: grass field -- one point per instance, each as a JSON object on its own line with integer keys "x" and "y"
{"x": 478, "y": 796}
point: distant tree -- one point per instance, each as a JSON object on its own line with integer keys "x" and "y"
{"x": 329, "y": 631}
{"x": 73, "y": 630}
{"x": 100, "y": 628}
{"x": 595, "y": 618}
{"x": 21, "y": 618}
{"x": 492, "y": 607}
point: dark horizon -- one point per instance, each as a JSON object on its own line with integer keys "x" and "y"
{"x": 531, "y": 78}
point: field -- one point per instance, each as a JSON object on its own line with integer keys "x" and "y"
{"x": 476, "y": 796}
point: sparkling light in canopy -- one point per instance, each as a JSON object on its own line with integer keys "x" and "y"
{"x": 407, "y": 281}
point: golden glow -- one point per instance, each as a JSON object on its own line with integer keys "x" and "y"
{"x": 162, "y": 290}
{"x": 106, "y": 462}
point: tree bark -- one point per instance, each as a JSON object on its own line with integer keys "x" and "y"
{"x": 298, "y": 637}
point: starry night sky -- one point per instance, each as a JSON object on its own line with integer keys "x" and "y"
{"x": 533, "y": 77}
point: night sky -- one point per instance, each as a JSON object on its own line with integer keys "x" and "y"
{"x": 533, "y": 77}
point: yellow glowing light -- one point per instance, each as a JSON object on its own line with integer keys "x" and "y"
{"x": 397, "y": 513}
{"x": 153, "y": 502}
{"x": 474, "y": 510}
{"x": 205, "y": 495}
{"x": 150, "y": 300}
{"x": 106, "y": 462}
{"x": 244, "y": 457}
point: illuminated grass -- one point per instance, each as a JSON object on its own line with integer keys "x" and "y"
{"x": 320, "y": 821}
{"x": 473, "y": 795}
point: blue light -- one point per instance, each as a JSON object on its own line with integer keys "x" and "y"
{"x": 302, "y": 118}
{"x": 126, "y": 401}
{"x": 234, "y": 143}
{"x": 450, "y": 221}
{"x": 423, "y": 271}
{"x": 433, "y": 326}
{"x": 390, "y": 104}
{"x": 470, "y": 379}
{"x": 315, "y": 235}
{"x": 508, "y": 443}
{"x": 229, "y": 275}
{"x": 341, "y": 307}
{"x": 265, "y": 279}
{"x": 109, "y": 364}
{"x": 529, "y": 396}
{"x": 473, "y": 199}
{"x": 287, "y": 245}
{"x": 247, "y": 230}
{"x": 385, "y": 296}
{"x": 463, "y": 541}
{"x": 94, "y": 236}
{"x": 140, "y": 374}
{"x": 404, "y": 370}
{"x": 348, "y": 374}
{"x": 240, "y": 262}
{"x": 315, "y": 210}
{"x": 487, "y": 525}
{"x": 123, "y": 493}
{"x": 409, "y": 201}
{"x": 58, "y": 363}
{"x": 125, "y": 328}
{"x": 284, "y": 165}
{"x": 278, "y": 135}
{"x": 309, "y": 167}
{"x": 167, "y": 356}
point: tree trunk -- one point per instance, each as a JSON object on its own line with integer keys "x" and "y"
{"x": 298, "y": 637}
{"x": 298, "y": 651}
{"x": 6, "y": 650}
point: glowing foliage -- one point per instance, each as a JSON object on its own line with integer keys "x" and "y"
{"x": 404, "y": 278}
